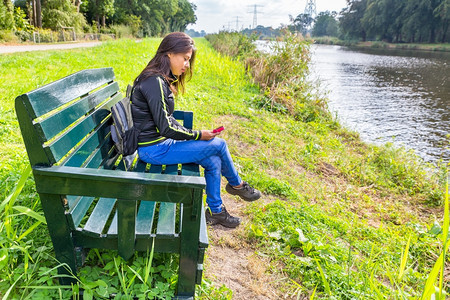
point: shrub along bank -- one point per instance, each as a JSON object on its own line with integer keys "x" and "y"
{"x": 337, "y": 216}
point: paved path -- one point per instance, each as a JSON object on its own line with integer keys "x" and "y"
{"x": 24, "y": 48}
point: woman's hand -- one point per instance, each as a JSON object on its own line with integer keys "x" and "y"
{"x": 208, "y": 134}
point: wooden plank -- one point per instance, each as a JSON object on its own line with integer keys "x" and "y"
{"x": 112, "y": 231}
{"x": 167, "y": 211}
{"x": 56, "y": 123}
{"x": 78, "y": 211}
{"x": 105, "y": 156}
{"x": 89, "y": 146}
{"x": 140, "y": 166}
{"x": 155, "y": 169}
{"x": 51, "y": 96}
{"x": 114, "y": 183}
{"x": 64, "y": 143}
{"x": 99, "y": 216}
{"x": 186, "y": 116}
{"x": 166, "y": 219}
{"x": 171, "y": 169}
{"x": 72, "y": 200}
{"x": 190, "y": 170}
{"x": 144, "y": 220}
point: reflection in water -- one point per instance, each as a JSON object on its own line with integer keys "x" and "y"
{"x": 389, "y": 96}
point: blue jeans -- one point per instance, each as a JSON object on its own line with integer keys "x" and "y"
{"x": 212, "y": 155}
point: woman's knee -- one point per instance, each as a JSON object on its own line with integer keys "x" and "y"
{"x": 220, "y": 144}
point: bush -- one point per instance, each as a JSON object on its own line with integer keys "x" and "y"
{"x": 122, "y": 31}
{"x": 8, "y": 36}
{"x": 232, "y": 43}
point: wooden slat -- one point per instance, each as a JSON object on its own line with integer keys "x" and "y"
{"x": 140, "y": 166}
{"x": 56, "y": 123}
{"x": 89, "y": 146}
{"x": 112, "y": 231}
{"x": 166, "y": 219}
{"x": 144, "y": 220}
{"x": 171, "y": 169}
{"x": 53, "y": 95}
{"x": 60, "y": 147}
{"x": 105, "y": 156}
{"x": 190, "y": 170}
{"x": 203, "y": 242}
{"x": 99, "y": 216}
{"x": 78, "y": 211}
{"x": 167, "y": 211}
{"x": 186, "y": 116}
{"x": 71, "y": 200}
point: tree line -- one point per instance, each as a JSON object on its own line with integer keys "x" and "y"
{"x": 146, "y": 18}
{"x": 393, "y": 21}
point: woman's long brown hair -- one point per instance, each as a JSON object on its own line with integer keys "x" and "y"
{"x": 175, "y": 43}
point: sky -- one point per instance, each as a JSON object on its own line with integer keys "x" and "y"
{"x": 215, "y": 15}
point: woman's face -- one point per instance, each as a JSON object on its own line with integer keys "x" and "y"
{"x": 179, "y": 62}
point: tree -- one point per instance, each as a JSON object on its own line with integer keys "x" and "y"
{"x": 302, "y": 22}
{"x": 6, "y": 14}
{"x": 350, "y": 21}
{"x": 62, "y": 13}
{"x": 184, "y": 16}
{"x": 442, "y": 11}
{"x": 325, "y": 24}
{"x": 99, "y": 10}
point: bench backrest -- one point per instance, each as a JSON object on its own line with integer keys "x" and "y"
{"x": 67, "y": 122}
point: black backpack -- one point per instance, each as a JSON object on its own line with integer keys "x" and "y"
{"x": 123, "y": 132}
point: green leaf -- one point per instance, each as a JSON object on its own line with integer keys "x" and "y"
{"x": 31, "y": 213}
{"x": 3, "y": 258}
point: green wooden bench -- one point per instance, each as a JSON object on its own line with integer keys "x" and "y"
{"x": 91, "y": 198}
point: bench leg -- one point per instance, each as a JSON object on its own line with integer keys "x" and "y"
{"x": 189, "y": 247}
{"x": 126, "y": 218}
{"x": 60, "y": 234}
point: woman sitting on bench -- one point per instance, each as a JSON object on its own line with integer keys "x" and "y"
{"x": 164, "y": 141}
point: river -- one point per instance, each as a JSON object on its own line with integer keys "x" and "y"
{"x": 394, "y": 96}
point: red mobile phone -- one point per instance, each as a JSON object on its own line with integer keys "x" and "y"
{"x": 218, "y": 129}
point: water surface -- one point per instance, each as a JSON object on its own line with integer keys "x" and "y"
{"x": 389, "y": 96}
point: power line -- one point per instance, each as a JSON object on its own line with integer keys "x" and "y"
{"x": 255, "y": 14}
{"x": 310, "y": 8}
{"x": 237, "y": 23}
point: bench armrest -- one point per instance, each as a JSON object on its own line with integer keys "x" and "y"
{"x": 116, "y": 184}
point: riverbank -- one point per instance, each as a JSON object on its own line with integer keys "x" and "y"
{"x": 335, "y": 216}
{"x": 383, "y": 45}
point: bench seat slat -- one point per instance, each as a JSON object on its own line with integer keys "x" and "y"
{"x": 112, "y": 231}
{"x": 166, "y": 219}
{"x": 190, "y": 170}
{"x": 56, "y": 123}
{"x": 167, "y": 211}
{"x": 53, "y": 95}
{"x": 144, "y": 220}
{"x": 79, "y": 209}
{"x": 99, "y": 216}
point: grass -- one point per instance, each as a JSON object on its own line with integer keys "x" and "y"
{"x": 339, "y": 218}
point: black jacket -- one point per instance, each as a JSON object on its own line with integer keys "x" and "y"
{"x": 152, "y": 106}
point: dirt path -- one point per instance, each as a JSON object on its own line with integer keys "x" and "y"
{"x": 230, "y": 261}
{"x": 25, "y": 48}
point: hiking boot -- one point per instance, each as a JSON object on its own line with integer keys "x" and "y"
{"x": 223, "y": 218}
{"x": 246, "y": 192}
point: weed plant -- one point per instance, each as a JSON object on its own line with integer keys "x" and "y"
{"x": 339, "y": 219}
